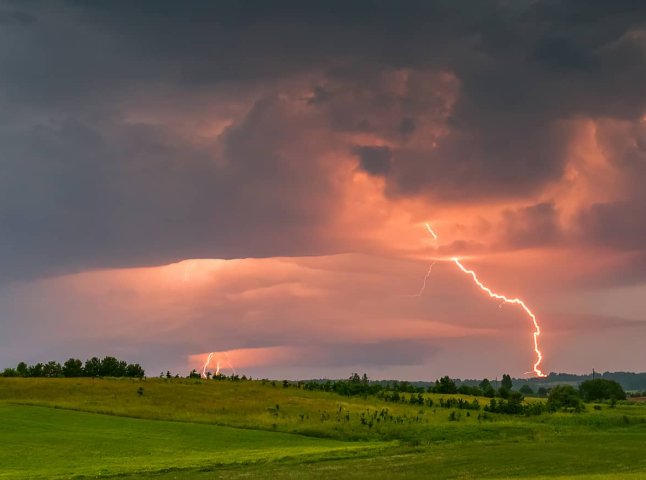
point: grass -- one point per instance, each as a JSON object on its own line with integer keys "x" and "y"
{"x": 571, "y": 457}
{"x": 50, "y": 443}
{"x": 208, "y": 429}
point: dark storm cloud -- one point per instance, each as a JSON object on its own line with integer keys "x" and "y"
{"x": 83, "y": 195}
{"x": 84, "y": 186}
{"x": 15, "y": 17}
{"x": 536, "y": 225}
{"x": 374, "y": 160}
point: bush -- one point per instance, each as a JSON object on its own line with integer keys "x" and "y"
{"x": 526, "y": 390}
{"x": 566, "y": 398}
{"x": 601, "y": 389}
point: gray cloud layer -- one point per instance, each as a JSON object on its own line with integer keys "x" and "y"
{"x": 85, "y": 183}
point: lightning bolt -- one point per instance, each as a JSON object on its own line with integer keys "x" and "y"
{"x": 217, "y": 364}
{"x": 515, "y": 301}
{"x": 497, "y": 296}
{"x": 428, "y": 274}
{"x": 226, "y": 356}
{"x": 206, "y": 364}
{"x": 430, "y": 267}
{"x": 430, "y": 230}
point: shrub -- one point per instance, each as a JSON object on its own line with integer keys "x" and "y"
{"x": 566, "y": 398}
{"x": 601, "y": 389}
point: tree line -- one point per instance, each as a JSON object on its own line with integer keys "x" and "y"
{"x": 503, "y": 399}
{"x": 629, "y": 381}
{"x": 93, "y": 367}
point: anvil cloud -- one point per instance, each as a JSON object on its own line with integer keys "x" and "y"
{"x": 297, "y": 149}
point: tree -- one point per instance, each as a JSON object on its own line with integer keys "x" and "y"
{"x": 526, "y": 390}
{"x": 36, "y": 370}
{"x": 506, "y": 383}
{"x": 134, "y": 370}
{"x": 487, "y": 389}
{"x": 503, "y": 392}
{"x": 92, "y": 367}
{"x": 445, "y": 385}
{"x": 73, "y": 368}
{"x": 564, "y": 397}
{"x": 22, "y": 369}
{"x": 467, "y": 390}
{"x": 9, "y": 372}
{"x": 52, "y": 369}
{"x": 111, "y": 367}
{"x": 601, "y": 389}
{"x": 485, "y": 384}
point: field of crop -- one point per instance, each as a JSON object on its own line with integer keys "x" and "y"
{"x": 195, "y": 429}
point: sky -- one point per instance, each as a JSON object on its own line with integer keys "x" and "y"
{"x": 254, "y": 178}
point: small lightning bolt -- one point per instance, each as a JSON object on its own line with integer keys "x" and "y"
{"x": 430, "y": 267}
{"x": 226, "y": 356}
{"x": 217, "y": 364}
{"x": 430, "y": 230}
{"x": 206, "y": 364}
{"x": 428, "y": 274}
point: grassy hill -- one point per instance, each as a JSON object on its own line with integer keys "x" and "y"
{"x": 64, "y": 428}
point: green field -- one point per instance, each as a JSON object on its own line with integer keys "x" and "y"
{"x": 194, "y": 429}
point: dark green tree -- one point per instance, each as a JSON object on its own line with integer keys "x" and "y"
{"x": 601, "y": 389}
{"x": 526, "y": 390}
{"x": 36, "y": 370}
{"x": 506, "y": 383}
{"x": 564, "y": 397}
{"x": 23, "y": 369}
{"x": 485, "y": 384}
{"x": 445, "y": 385}
{"x": 73, "y": 368}
{"x": 111, "y": 367}
{"x": 135, "y": 370}
{"x": 92, "y": 367}
{"x": 487, "y": 389}
{"x": 53, "y": 369}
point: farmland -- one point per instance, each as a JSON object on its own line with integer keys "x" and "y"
{"x": 191, "y": 428}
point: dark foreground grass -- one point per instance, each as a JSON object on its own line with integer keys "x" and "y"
{"x": 181, "y": 430}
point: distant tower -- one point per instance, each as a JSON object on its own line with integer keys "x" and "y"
{"x": 593, "y": 374}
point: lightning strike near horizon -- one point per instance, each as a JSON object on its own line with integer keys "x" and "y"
{"x": 516, "y": 301}
{"x": 206, "y": 364}
{"x": 497, "y": 296}
{"x": 218, "y": 365}
{"x": 226, "y": 356}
